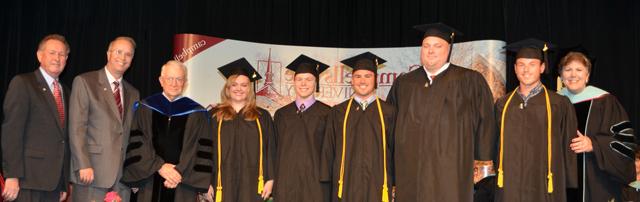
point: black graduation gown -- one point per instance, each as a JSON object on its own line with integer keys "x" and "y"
{"x": 363, "y": 170}
{"x": 630, "y": 194}
{"x": 525, "y": 148}
{"x": 603, "y": 172}
{"x": 299, "y": 143}
{"x": 484, "y": 189}
{"x": 240, "y": 156}
{"x": 168, "y": 132}
{"x": 440, "y": 130}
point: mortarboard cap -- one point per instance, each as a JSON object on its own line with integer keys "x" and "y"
{"x": 240, "y": 67}
{"x": 305, "y": 64}
{"x": 366, "y": 61}
{"x": 531, "y": 48}
{"x": 442, "y": 31}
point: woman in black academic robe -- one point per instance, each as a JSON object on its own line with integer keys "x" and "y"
{"x": 605, "y": 140}
{"x": 244, "y": 141}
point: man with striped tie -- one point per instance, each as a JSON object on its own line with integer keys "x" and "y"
{"x": 100, "y": 114}
{"x": 34, "y": 130}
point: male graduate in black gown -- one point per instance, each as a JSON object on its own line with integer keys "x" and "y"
{"x": 445, "y": 122}
{"x": 300, "y": 129}
{"x": 169, "y": 153}
{"x": 356, "y": 153}
{"x": 536, "y": 125}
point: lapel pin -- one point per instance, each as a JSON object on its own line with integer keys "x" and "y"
{"x": 44, "y": 89}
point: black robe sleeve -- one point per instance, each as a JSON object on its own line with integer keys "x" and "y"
{"x": 196, "y": 158}
{"x": 485, "y": 130}
{"x": 141, "y": 161}
{"x": 328, "y": 147}
{"x": 613, "y": 140}
{"x": 391, "y": 124}
{"x": 269, "y": 138}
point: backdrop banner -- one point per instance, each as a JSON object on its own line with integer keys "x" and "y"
{"x": 204, "y": 54}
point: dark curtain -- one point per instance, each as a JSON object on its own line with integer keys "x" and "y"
{"x": 609, "y": 29}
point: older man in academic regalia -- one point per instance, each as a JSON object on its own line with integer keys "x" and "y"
{"x": 168, "y": 157}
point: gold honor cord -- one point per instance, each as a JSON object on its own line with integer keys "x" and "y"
{"x": 260, "y": 173}
{"x": 504, "y": 111}
{"x": 385, "y": 189}
{"x": 344, "y": 147}
{"x": 219, "y": 181}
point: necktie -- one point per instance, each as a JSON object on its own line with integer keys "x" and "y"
{"x": 301, "y": 109}
{"x": 57, "y": 95}
{"x": 116, "y": 95}
{"x": 364, "y": 105}
{"x": 432, "y": 78}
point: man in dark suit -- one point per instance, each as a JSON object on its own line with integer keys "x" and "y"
{"x": 34, "y": 131}
{"x": 100, "y": 114}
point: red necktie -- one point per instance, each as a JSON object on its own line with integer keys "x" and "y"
{"x": 116, "y": 95}
{"x": 57, "y": 95}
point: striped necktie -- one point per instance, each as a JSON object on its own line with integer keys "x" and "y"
{"x": 57, "y": 95}
{"x": 116, "y": 95}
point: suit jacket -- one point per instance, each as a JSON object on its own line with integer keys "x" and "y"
{"x": 98, "y": 135}
{"x": 34, "y": 143}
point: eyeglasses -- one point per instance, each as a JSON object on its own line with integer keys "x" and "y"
{"x": 119, "y": 52}
{"x": 172, "y": 79}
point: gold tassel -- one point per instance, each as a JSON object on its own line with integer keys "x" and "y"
{"x": 260, "y": 184}
{"x": 340, "y": 189}
{"x": 385, "y": 194}
{"x": 550, "y": 188}
{"x": 500, "y": 179}
{"x": 219, "y": 194}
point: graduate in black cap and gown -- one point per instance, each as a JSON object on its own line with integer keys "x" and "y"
{"x": 536, "y": 125}
{"x": 300, "y": 127}
{"x": 169, "y": 152}
{"x": 445, "y": 122}
{"x": 244, "y": 139}
{"x": 356, "y": 153}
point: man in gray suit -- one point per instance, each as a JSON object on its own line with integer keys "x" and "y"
{"x": 34, "y": 133}
{"x": 100, "y": 111}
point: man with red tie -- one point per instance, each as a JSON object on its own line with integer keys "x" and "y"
{"x": 100, "y": 114}
{"x": 34, "y": 130}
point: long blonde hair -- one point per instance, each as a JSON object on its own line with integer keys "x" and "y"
{"x": 225, "y": 111}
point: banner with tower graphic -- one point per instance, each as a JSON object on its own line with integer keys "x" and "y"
{"x": 204, "y": 54}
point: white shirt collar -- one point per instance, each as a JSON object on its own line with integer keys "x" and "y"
{"x": 369, "y": 100}
{"x": 444, "y": 67}
{"x": 48, "y": 79}
{"x": 111, "y": 78}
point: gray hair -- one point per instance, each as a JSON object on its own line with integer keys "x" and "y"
{"x": 176, "y": 64}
